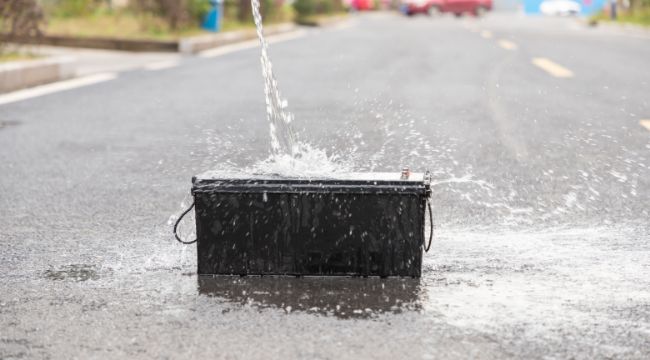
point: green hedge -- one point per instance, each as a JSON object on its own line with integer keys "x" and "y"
{"x": 72, "y": 8}
{"x": 306, "y": 8}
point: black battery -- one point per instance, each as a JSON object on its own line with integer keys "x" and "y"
{"x": 369, "y": 224}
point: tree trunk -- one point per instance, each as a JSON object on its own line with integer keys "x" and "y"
{"x": 245, "y": 11}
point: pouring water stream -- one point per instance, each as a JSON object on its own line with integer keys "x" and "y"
{"x": 283, "y": 140}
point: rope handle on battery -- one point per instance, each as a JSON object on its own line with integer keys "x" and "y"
{"x": 427, "y": 182}
{"x": 178, "y": 222}
{"x": 426, "y": 249}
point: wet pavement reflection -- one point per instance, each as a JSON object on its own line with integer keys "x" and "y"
{"x": 341, "y": 297}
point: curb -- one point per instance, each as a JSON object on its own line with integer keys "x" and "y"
{"x": 96, "y": 43}
{"x": 189, "y": 45}
{"x": 18, "y": 75}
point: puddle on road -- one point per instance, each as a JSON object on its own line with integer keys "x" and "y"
{"x": 73, "y": 272}
{"x": 505, "y": 274}
{"x": 344, "y": 298}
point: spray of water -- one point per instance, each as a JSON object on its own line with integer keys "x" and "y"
{"x": 309, "y": 162}
{"x": 282, "y": 136}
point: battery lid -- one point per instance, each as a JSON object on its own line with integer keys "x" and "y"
{"x": 369, "y": 182}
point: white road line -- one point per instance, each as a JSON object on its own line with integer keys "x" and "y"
{"x": 160, "y": 65}
{"x": 227, "y": 49}
{"x": 645, "y": 124}
{"x": 508, "y": 45}
{"x": 485, "y": 34}
{"x": 552, "y": 68}
{"x": 55, "y": 87}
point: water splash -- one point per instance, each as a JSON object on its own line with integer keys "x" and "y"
{"x": 307, "y": 161}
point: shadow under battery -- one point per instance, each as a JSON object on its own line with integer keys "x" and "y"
{"x": 341, "y": 297}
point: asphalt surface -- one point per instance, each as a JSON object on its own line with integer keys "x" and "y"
{"x": 541, "y": 198}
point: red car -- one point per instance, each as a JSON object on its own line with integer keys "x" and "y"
{"x": 456, "y": 7}
{"x": 361, "y": 5}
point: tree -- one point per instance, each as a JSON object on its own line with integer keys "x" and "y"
{"x": 177, "y": 13}
{"x": 20, "y": 18}
{"x": 245, "y": 11}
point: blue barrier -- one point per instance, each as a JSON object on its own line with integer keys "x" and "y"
{"x": 214, "y": 18}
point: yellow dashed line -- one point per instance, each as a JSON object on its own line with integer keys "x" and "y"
{"x": 645, "y": 124}
{"x": 552, "y": 68}
{"x": 485, "y": 34}
{"x": 508, "y": 45}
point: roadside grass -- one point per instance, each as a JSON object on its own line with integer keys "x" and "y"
{"x": 315, "y": 20}
{"x": 116, "y": 25}
{"x": 639, "y": 17}
{"x": 16, "y": 56}
{"x": 233, "y": 25}
{"x": 130, "y": 25}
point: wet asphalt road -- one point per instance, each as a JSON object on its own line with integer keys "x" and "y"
{"x": 541, "y": 198}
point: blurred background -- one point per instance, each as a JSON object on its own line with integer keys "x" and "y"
{"x": 160, "y": 25}
{"x": 170, "y": 19}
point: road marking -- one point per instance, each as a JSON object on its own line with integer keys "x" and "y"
{"x": 160, "y": 65}
{"x": 508, "y": 45}
{"x": 552, "y": 68}
{"x": 645, "y": 124}
{"x": 227, "y": 49}
{"x": 55, "y": 87}
{"x": 485, "y": 34}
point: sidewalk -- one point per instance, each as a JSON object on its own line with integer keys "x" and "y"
{"x": 92, "y": 61}
{"x": 54, "y": 64}
{"x": 87, "y": 66}
{"x": 62, "y": 63}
